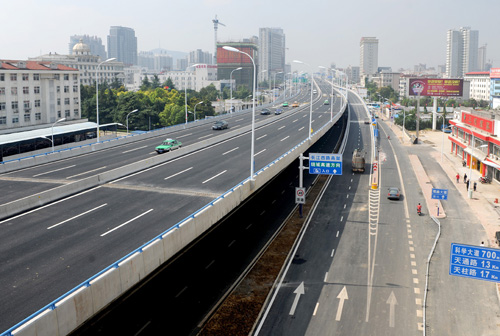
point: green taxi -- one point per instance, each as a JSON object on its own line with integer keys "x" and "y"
{"x": 285, "y": 104}
{"x": 168, "y": 145}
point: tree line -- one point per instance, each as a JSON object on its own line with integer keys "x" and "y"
{"x": 158, "y": 104}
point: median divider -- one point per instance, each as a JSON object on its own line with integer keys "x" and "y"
{"x": 71, "y": 310}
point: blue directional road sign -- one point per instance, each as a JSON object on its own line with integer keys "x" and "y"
{"x": 441, "y": 194}
{"x": 475, "y": 262}
{"x": 325, "y": 164}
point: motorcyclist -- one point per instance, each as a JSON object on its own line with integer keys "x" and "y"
{"x": 419, "y": 208}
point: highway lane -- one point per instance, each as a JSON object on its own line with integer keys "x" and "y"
{"x": 46, "y": 176}
{"x": 218, "y": 259}
{"x": 353, "y": 272}
{"x": 50, "y": 250}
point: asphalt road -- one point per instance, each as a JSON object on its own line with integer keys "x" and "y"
{"x": 360, "y": 267}
{"x": 50, "y": 250}
{"x": 352, "y": 273}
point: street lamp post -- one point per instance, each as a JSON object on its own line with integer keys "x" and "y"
{"x": 252, "y": 148}
{"x": 195, "y": 110}
{"x": 231, "y": 85}
{"x": 130, "y": 114}
{"x": 97, "y": 92}
{"x": 185, "y": 94}
{"x": 274, "y": 84}
{"x": 311, "y": 102}
{"x": 60, "y": 120}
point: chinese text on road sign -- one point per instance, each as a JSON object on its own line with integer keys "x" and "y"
{"x": 328, "y": 164}
{"x": 439, "y": 194}
{"x": 476, "y": 262}
{"x": 300, "y": 195}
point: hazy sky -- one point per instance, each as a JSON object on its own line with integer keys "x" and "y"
{"x": 318, "y": 32}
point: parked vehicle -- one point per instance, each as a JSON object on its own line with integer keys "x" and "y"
{"x": 168, "y": 145}
{"x": 484, "y": 179}
{"x": 358, "y": 161}
{"x": 220, "y": 125}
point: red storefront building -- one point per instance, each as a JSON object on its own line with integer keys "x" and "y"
{"x": 474, "y": 139}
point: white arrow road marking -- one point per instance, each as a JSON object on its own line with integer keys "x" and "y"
{"x": 392, "y": 302}
{"x": 298, "y": 292}
{"x": 342, "y": 296}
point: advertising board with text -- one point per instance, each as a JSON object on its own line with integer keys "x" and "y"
{"x": 436, "y": 87}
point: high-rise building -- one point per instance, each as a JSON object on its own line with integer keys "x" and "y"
{"x": 122, "y": 45}
{"x": 461, "y": 52}
{"x": 368, "y": 63}
{"x": 481, "y": 58}
{"x": 93, "y": 42}
{"x": 199, "y": 56}
{"x": 271, "y": 52}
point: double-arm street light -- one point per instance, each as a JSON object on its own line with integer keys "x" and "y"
{"x": 311, "y": 102}
{"x": 331, "y": 99}
{"x": 130, "y": 114}
{"x": 231, "y": 85}
{"x": 252, "y": 148}
{"x": 97, "y": 92}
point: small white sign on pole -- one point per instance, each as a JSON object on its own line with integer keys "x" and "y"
{"x": 300, "y": 195}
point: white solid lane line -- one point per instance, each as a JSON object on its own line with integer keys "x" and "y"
{"x": 127, "y": 222}
{"x": 55, "y": 170}
{"x": 185, "y": 170}
{"x": 134, "y": 149}
{"x": 74, "y": 217}
{"x": 229, "y": 151}
{"x": 214, "y": 176}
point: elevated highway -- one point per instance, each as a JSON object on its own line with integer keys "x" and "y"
{"x": 154, "y": 212}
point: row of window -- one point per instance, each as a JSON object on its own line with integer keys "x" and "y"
{"x": 36, "y": 77}
{"x": 36, "y": 89}
{"x": 37, "y": 103}
{"x": 38, "y": 116}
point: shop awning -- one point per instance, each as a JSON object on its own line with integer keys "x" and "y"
{"x": 491, "y": 164}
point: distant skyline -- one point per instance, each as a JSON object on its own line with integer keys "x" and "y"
{"x": 317, "y": 32}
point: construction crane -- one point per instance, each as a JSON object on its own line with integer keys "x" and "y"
{"x": 216, "y": 24}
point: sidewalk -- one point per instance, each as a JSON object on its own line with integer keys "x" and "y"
{"x": 483, "y": 199}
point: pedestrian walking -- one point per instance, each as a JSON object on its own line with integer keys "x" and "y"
{"x": 467, "y": 184}
{"x": 475, "y": 184}
{"x": 458, "y": 177}
{"x": 465, "y": 178}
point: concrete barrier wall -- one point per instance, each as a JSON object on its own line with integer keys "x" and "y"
{"x": 74, "y": 309}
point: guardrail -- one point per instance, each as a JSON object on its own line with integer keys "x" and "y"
{"x": 73, "y": 308}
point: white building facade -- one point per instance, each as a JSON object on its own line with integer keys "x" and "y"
{"x": 479, "y": 88}
{"x": 368, "y": 62}
{"x": 36, "y": 93}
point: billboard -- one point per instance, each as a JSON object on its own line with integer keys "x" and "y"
{"x": 495, "y": 73}
{"x": 436, "y": 87}
{"x": 226, "y": 56}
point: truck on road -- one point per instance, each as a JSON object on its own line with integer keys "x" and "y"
{"x": 358, "y": 161}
